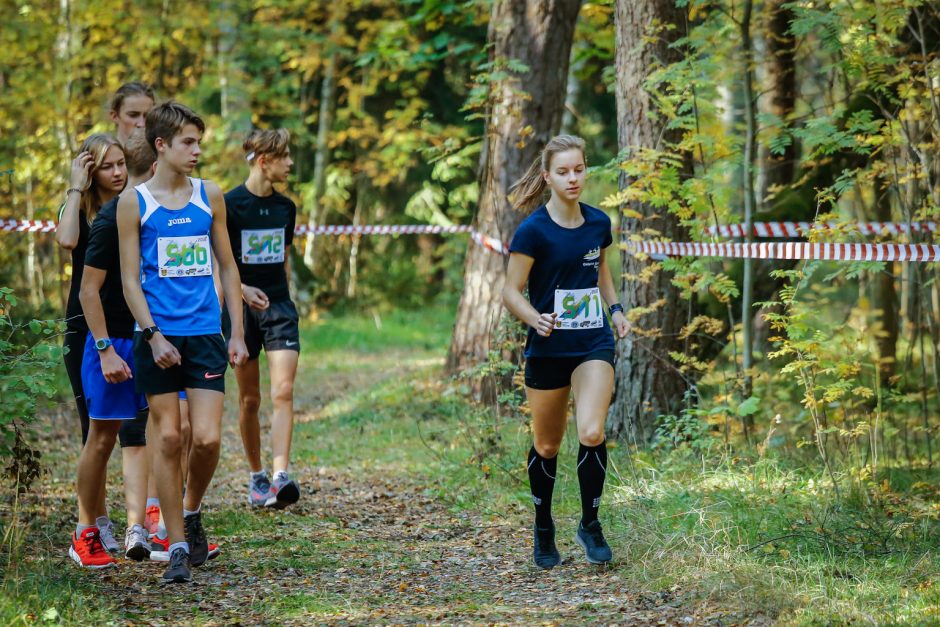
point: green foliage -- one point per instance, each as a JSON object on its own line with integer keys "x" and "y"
{"x": 28, "y": 361}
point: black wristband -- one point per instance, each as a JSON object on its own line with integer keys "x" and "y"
{"x": 615, "y": 308}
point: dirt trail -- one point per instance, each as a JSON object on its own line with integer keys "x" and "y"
{"x": 365, "y": 549}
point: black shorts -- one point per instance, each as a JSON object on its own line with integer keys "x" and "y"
{"x": 204, "y": 360}
{"x": 134, "y": 432}
{"x": 274, "y": 328}
{"x": 552, "y": 373}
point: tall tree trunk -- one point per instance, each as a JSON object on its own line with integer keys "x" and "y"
{"x": 33, "y": 272}
{"x": 780, "y": 170}
{"x": 886, "y": 296}
{"x": 236, "y": 108}
{"x": 539, "y": 34}
{"x": 647, "y": 382}
{"x": 322, "y": 158}
{"x": 750, "y": 141}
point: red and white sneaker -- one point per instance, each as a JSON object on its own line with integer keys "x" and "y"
{"x": 159, "y": 550}
{"x": 152, "y": 519}
{"x": 88, "y": 551}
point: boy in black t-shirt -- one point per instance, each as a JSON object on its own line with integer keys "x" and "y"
{"x": 261, "y": 229}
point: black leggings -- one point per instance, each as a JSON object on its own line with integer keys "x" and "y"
{"x": 133, "y": 432}
{"x": 75, "y": 344}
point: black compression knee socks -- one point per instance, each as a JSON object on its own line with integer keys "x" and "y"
{"x": 592, "y": 470}
{"x": 542, "y": 483}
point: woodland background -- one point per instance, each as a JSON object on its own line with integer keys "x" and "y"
{"x": 696, "y": 113}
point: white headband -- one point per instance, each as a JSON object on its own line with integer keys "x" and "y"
{"x": 250, "y": 156}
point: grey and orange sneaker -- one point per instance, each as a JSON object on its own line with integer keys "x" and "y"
{"x": 259, "y": 490}
{"x": 284, "y": 491}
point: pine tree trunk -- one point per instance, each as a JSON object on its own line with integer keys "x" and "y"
{"x": 647, "y": 381}
{"x": 538, "y": 34}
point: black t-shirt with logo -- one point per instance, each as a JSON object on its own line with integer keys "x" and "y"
{"x": 104, "y": 254}
{"x": 261, "y": 228}
{"x": 563, "y": 279}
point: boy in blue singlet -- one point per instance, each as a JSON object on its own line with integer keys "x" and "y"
{"x": 169, "y": 228}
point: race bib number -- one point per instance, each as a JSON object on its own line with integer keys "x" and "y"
{"x": 184, "y": 256}
{"x": 263, "y": 246}
{"x": 579, "y": 309}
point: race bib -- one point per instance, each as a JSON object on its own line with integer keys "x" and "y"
{"x": 184, "y": 256}
{"x": 263, "y": 246}
{"x": 579, "y": 309}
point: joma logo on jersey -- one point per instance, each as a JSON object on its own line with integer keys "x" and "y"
{"x": 190, "y": 255}
{"x": 175, "y": 221}
{"x": 593, "y": 254}
{"x": 258, "y": 245}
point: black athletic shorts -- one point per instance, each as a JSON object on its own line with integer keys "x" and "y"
{"x": 204, "y": 360}
{"x": 134, "y": 432}
{"x": 551, "y": 373}
{"x": 274, "y": 328}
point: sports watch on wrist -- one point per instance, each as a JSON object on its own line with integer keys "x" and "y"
{"x": 150, "y": 331}
{"x": 615, "y": 308}
{"x": 103, "y": 344}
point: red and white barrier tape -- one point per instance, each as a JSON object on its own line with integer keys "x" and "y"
{"x": 380, "y": 229}
{"x": 801, "y": 229}
{"x": 792, "y": 250}
{"x": 32, "y": 226}
{"x": 491, "y": 243}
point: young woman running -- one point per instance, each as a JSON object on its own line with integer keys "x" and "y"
{"x": 261, "y": 229}
{"x": 559, "y": 250}
{"x": 98, "y": 175}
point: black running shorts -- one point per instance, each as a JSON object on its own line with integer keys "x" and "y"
{"x": 552, "y": 373}
{"x": 274, "y": 328}
{"x": 134, "y": 432}
{"x": 204, "y": 360}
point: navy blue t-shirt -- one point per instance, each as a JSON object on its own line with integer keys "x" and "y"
{"x": 564, "y": 279}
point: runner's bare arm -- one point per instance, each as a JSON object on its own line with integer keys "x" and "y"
{"x": 605, "y": 284}
{"x": 128, "y": 221}
{"x": 516, "y": 276}
{"x": 67, "y": 230}
{"x": 228, "y": 273}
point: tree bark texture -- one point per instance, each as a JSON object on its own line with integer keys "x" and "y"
{"x": 648, "y": 383}
{"x": 525, "y": 111}
{"x": 780, "y": 170}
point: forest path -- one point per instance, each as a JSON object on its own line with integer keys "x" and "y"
{"x": 372, "y": 540}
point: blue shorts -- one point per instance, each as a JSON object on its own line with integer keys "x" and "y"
{"x": 110, "y": 401}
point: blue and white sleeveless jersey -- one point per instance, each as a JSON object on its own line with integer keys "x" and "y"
{"x": 176, "y": 264}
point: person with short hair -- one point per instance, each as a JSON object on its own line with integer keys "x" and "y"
{"x": 559, "y": 251}
{"x": 169, "y": 228}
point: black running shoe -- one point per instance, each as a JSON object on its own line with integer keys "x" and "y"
{"x": 591, "y": 539}
{"x": 196, "y": 536}
{"x": 178, "y": 571}
{"x": 544, "y": 551}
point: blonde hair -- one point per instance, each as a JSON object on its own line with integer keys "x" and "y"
{"x": 97, "y": 145}
{"x": 272, "y": 142}
{"x": 528, "y": 191}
